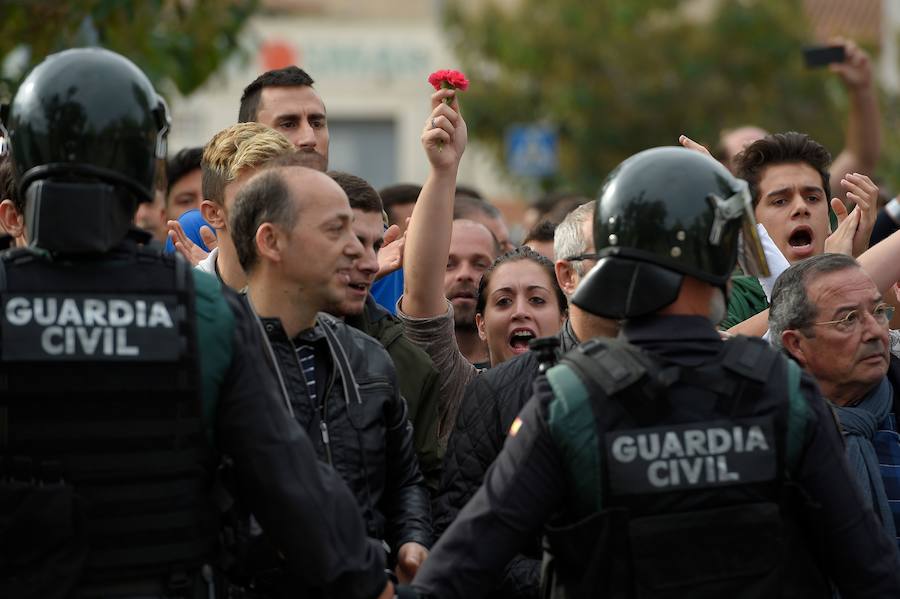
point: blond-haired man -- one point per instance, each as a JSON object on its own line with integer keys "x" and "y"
{"x": 230, "y": 158}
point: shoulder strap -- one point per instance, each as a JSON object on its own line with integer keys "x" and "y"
{"x": 607, "y": 363}
{"x": 748, "y": 357}
{"x": 752, "y": 359}
{"x": 572, "y": 420}
{"x": 567, "y": 386}
{"x": 798, "y": 413}
{"x": 611, "y": 366}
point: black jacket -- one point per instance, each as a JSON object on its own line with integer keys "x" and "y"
{"x": 418, "y": 384}
{"x": 365, "y": 436}
{"x": 490, "y": 404}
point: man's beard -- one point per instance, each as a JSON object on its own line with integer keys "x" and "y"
{"x": 463, "y": 316}
{"x": 464, "y": 319}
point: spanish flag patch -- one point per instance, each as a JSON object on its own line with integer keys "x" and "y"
{"x": 515, "y": 426}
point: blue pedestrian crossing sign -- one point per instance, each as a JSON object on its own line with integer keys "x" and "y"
{"x": 532, "y": 150}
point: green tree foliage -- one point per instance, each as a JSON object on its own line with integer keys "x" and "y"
{"x": 176, "y": 42}
{"x": 619, "y": 76}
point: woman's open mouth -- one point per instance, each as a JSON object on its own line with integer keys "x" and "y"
{"x": 519, "y": 338}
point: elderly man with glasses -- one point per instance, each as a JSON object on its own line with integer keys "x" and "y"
{"x": 828, "y": 314}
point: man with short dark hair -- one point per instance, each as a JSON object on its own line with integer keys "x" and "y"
{"x": 292, "y": 232}
{"x": 416, "y": 372}
{"x": 399, "y": 201}
{"x": 789, "y": 183}
{"x": 829, "y": 316}
{"x": 782, "y": 167}
{"x": 540, "y": 239}
{"x": 472, "y": 250}
{"x": 469, "y": 207}
{"x": 184, "y": 189}
{"x": 285, "y": 100}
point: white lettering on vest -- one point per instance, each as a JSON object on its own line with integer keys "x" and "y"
{"x": 623, "y": 449}
{"x": 48, "y": 342}
{"x": 87, "y": 325}
{"x": 688, "y": 456}
{"x": 18, "y": 311}
{"x": 159, "y": 316}
{"x": 68, "y": 313}
{"x": 756, "y": 440}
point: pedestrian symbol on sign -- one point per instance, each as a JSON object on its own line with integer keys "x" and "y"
{"x": 531, "y": 150}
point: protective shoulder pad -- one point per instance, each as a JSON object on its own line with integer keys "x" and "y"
{"x": 611, "y": 364}
{"x": 749, "y": 357}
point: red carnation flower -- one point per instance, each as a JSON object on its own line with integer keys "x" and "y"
{"x": 448, "y": 79}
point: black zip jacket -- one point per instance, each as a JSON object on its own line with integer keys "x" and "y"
{"x": 418, "y": 384}
{"x": 490, "y": 404}
{"x": 309, "y": 510}
{"x": 361, "y": 427}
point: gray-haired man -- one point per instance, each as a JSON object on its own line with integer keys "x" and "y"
{"x": 828, "y": 314}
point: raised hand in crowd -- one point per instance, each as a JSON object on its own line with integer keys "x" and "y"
{"x": 851, "y": 237}
{"x": 444, "y": 139}
{"x": 863, "y": 135}
{"x": 690, "y": 144}
{"x": 862, "y": 192}
{"x": 390, "y": 256}
{"x": 841, "y": 240}
{"x": 192, "y": 252}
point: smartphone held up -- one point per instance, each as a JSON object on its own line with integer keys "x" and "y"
{"x": 821, "y": 56}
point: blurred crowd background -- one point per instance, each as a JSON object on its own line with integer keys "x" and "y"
{"x": 562, "y": 90}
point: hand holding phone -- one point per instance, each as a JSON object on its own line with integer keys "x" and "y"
{"x": 820, "y": 56}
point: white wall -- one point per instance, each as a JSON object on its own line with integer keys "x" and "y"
{"x": 363, "y": 70}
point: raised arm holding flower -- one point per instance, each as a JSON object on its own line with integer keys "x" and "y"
{"x": 444, "y": 139}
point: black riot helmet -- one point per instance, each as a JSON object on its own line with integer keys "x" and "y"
{"x": 86, "y": 130}
{"x": 662, "y": 214}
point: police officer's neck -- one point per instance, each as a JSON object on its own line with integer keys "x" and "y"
{"x": 587, "y": 326}
{"x": 695, "y": 298}
{"x": 270, "y": 299}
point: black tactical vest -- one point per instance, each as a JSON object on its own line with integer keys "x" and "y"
{"x": 104, "y": 463}
{"x": 696, "y": 493}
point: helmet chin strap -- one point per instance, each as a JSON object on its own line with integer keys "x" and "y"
{"x": 76, "y": 218}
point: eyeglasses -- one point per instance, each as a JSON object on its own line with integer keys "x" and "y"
{"x": 854, "y": 318}
{"x": 581, "y": 257}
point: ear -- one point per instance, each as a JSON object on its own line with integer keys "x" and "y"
{"x": 268, "y": 242}
{"x": 566, "y": 277}
{"x": 214, "y": 214}
{"x": 11, "y": 219}
{"x": 792, "y": 341}
{"x": 479, "y": 324}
